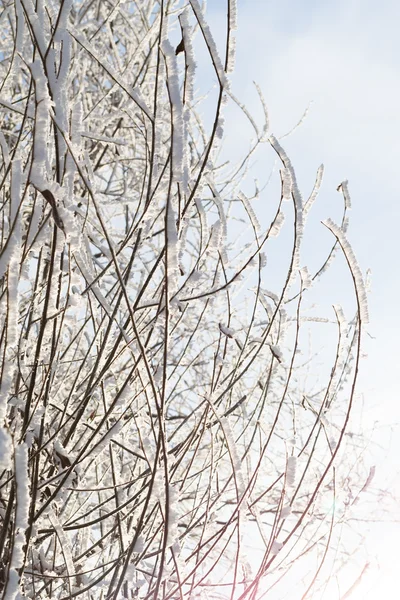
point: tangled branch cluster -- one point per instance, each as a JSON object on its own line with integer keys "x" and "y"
{"x": 153, "y": 411}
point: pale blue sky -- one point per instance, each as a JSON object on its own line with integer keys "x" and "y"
{"x": 345, "y": 57}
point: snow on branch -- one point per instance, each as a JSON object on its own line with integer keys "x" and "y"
{"x": 164, "y": 409}
{"x": 354, "y": 269}
{"x": 211, "y": 45}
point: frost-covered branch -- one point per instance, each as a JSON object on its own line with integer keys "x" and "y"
{"x": 158, "y": 407}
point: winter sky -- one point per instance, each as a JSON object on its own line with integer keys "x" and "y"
{"x": 344, "y": 57}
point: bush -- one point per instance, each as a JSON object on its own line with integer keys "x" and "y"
{"x": 157, "y": 424}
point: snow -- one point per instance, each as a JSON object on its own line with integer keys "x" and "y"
{"x": 250, "y": 211}
{"x": 5, "y": 446}
{"x": 22, "y": 481}
{"x": 40, "y": 167}
{"x": 178, "y": 130}
{"x": 276, "y": 547}
{"x": 226, "y": 331}
{"x": 313, "y": 196}
{"x": 306, "y": 279}
{"x": 133, "y": 93}
{"x": 277, "y": 224}
{"x": 298, "y": 200}
{"x": 277, "y": 352}
{"x": 286, "y": 512}
{"x": 190, "y": 63}
{"x": 286, "y": 184}
{"x": 354, "y": 268}
{"x": 291, "y": 469}
{"x": 21, "y": 520}
{"x": 211, "y": 45}
{"x": 344, "y": 188}
{"x": 128, "y": 348}
{"x": 172, "y": 249}
{"x": 235, "y": 458}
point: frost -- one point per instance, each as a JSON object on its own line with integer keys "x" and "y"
{"x": 226, "y": 331}
{"x": 63, "y": 540}
{"x": 4, "y": 149}
{"x": 42, "y": 127}
{"x": 276, "y": 547}
{"x": 20, "y": 26}
{"x": 5, "y": 449}
{"x": 286, "y": 184}
{"x": 233, "y": 18}
{"x": 218, "y": 360}
{"x": 340, "y": 315}
{"x": 249, "y": 209}
{"x": 286, "y": 512}
{"x": 291, "y": 468}
{"x": 291, "y": 442}
{"x": 133, "y": 93}
{"x": 344, "y": 188}
{"x": 40, "y": 33}
{"x": 146, "y": 412}
{"x": 236, "y": 462}
{"x": 196, "y": 276}
{"x": 190, "y": 62}
{"x": 216, "y": 236}
{"x": 173, "y": 516}
{"x": 211, "y": 45}
{"x": 368, "y": 281}
{"x": 305, "y": 278}
{"x": 263, "y": 260}
{"x": 370, "y": 478}
{"x": 277, "y": 353}
{"x": 266, "y": 114}
{"x": 179, "y": 166}
{"x": 219, "y": 130}
{"x": 277, "y": 224}
{"x": 99, "y": 447}
{"x": 21, "y": 520}
{"x": 9, "y": 255}
{"x": 10, "y": 263}
{"x": 354, "y": 268}
{"x": 232, "y": 13}
{"x": 317, "y": 186}
{"x": 76, "y": 131}
{"x": 231, "y": 54}
{"x": 298, "y": 201}
{"x": 22, "y": 479}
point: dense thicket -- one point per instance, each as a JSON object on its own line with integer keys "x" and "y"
{"x": 159, "y": 434}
